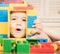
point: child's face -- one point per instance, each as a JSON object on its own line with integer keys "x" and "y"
{"x": 18, "y": 24}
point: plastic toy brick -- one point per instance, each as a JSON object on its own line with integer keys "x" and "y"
{"x": 4, "y": 35}
{"x": 3, "y": 16}
{"x": 32, "y": 41}
{"x": 42, "y": 40}
{"x": 38, "y": 49}
{"x": 19, "y": 5}
{"x": 1, "y": 43}
{"x": 55, "y": 46}
{"x": 13, "y": 1}
{"x": 32, "y": 12}
{"x": 23, "y": 47}
{"x": 1, "y": 48}
{"x": 1, "y": 39}
{"x": 46, "y": 44}
{"x": 31, "y": 21}
{"x": 58, "y": 44}
{"x": 45, "y": 48}
{"x": 4, "y": 29}
{"x": 1, "y": 0}
{"x": 28, "y": 36}
{"x": 29, "y": 7}
{"x": 2, "y": 4}
{"x": 7, "y": 45}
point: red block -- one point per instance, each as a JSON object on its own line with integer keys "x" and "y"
{"x": 29, "y": 7}
{"x": 13, "y": 1}
{"x": 37, "y": 49}
{"x": 46, "y": 44}
{"x": 1, "y": 0}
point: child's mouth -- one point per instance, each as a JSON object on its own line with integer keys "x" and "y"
{"x": 18, "y": 29}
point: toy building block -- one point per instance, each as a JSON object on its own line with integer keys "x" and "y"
{"x": 31, "y": 21}
{"x": 8, "y": 45}
{"x": 32, "y": 41}
{"x": 1, "y": 39}
{"x": 4, "y": 29}
{"x": 2, "y": 4}
{"x": 1, "y": 0}
{"x": 55, "y": 46}
{"x": 1, "y": 48}
{"x": 13, "y": 1}
{"x": 23, "y": 47}
{"x": 38, "y": 49}
{"x": 42, "y": 40}
{"x": 29, "y": 7}
{"x": 1, "y": 43}
{"x": 3, "y": 16}
{"x": 32, "y": 12}
{"x": 4, "y": 35}
{"x": 24, "y": 4}
{"x": 58, "y": 44}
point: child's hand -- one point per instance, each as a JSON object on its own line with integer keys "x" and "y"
{"x": 36, "y": 33}
{"x": 38, "y": 24}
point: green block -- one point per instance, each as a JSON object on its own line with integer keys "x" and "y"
{"x": 32, "y": 41}
{"x": 8, "y": 45}
{"x": 23, "y": 47}
{"x": 1, "y": 39}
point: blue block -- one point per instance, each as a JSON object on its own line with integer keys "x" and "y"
{"x": 31, "y": 21}
{"x": 2, "y": 4}
{"x": 28, "y": 36}
{"x": 4, "y": 35}
{"x": 3, "y": 16}
{"x": 42, "y": 40}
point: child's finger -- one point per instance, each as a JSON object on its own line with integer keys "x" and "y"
{"x": 38, "y": 21}
{"x": 35, "y": 37}
{"x": 34, "y": 32}
{"x": 37, "y": 24}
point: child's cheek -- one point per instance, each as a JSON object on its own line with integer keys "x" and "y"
{"x": 13, "y": 24}
{"x": 24, "y": 25}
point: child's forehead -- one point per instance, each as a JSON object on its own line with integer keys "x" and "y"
{"x": 18, "y": 14}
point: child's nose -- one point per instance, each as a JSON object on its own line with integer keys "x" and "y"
{"x": 18, "y": 23}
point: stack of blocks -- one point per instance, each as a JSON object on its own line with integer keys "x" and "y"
{"x": 26, "y": 47}
{"x": 19, "y": 5}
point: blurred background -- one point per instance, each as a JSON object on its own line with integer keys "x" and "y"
{"x": 48, "y": 11}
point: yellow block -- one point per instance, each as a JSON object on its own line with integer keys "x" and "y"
{"x": 3, "y": 27}
{"x": 28, "y": 31}
{"x": 3, "y": 8}
{"x": 32, "y": 12}
{"x": 55, "y": 46}
{"x": 1, "y": 48}
{"x": 19, "y": 5}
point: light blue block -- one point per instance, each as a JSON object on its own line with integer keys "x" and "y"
{"x": 31, "y": 21}
{"x": 3, "y": 15}
{"x": 42, "y": 40}
{"x": 28, "y": 36}
{"x": 2, "y": 4}
{"x": 4, "y": 35}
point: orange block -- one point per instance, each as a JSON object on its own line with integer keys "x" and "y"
{"x": 29, "y": 7}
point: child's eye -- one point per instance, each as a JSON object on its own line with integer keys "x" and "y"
{"x": 24, "y": 19}
{"x": 13, "y": 19}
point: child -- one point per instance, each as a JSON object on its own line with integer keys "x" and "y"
{"x": 53, "y": 34}
{"x": 18, "y": 24}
